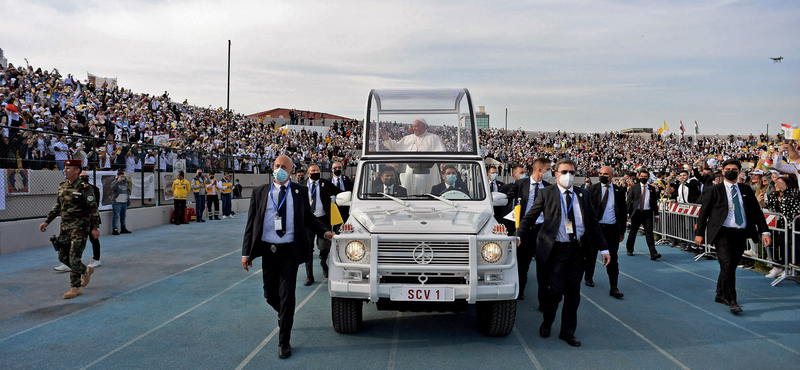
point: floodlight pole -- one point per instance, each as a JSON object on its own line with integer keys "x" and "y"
{"x": 228, "y": 107}
{"x": 506, "y": 119}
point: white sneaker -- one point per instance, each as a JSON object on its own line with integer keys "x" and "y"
{"x": 62, "y": 268}
{"x": 773, "y": 274}
{"x": 95, "y": 263}
{"x": 231, "y": 216}
{"x": 750, "y": 253}
{"x": 224, "y": 217}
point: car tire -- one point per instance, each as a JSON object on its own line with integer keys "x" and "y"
{"x": 496, "y": 318}
{"x": 346, "y": 314}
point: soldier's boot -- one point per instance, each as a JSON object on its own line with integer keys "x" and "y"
{"x": 73, "y": 292}
{"x": 87, "y": 276}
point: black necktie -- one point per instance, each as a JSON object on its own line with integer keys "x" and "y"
{"x": 571, "y": 216}
{"x": 641, "y": 205}
{"x": 603, "y": 203}
{"x": 314, "y": 196}
{"x": 535, "y": 190}
{"x": 282, "y": 212}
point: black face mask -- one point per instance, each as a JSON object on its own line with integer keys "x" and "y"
{"x": 604, "y": 179}
{"x": 299, "y": 179}
{"x": 389, "y": 181}
{"x": 731, "y": 175}
{"x": 643, "y": 181}
{"x": 314, "y": 176}
{"x": 337, "y": 173}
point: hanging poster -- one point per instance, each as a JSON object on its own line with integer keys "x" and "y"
{"x": 17, "y": 181}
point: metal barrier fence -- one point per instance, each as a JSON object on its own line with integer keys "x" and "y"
{"x": 31, "y": 164}
{"x": 792, "y": 263}
{"x": 679, "y": 222}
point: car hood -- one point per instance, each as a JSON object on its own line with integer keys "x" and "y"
{"x": 422, "y": 220}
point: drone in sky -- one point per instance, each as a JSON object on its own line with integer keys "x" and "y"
{"x": 776, "y": 60}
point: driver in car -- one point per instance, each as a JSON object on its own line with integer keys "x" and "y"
{"x": 420, "y": 141}
{"x": 451, "y": 181}
{"x": 388, "y": 183}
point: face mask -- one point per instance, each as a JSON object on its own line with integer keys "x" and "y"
{"x": 523, "y": 176}
{"x": 299, "y": 179}
{"x": 566, "y": 180}
{"x": 547, "y": 176}
{"x": 314, "y": 176}
{"x": 337, "y": 173}
{"x": 643, "y": 181}
{"x": 281, "y": 175}
{"x": 731, "y": 175}
{"x": 604, "y": 179}
{"x": 389, "y": 181}
{"x": 493, "y": 176}
{"x": 451, "y": 179}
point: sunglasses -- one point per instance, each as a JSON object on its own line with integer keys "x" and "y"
{"x": 564, "y": 172}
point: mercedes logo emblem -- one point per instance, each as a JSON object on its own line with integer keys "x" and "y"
{"x": 423, "y": 254}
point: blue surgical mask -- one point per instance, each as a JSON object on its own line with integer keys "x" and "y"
{"x": 493, "y": 176}
{"x": 523, "y": 176}
{"x": 451, "y": 179}
{"x": 281, "y": 175}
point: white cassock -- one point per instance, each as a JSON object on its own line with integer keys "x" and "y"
{"x": 412, "y": 143}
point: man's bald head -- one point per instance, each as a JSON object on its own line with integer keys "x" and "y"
{"x": 285, "y": 163}
{"x": 607, "y": 171}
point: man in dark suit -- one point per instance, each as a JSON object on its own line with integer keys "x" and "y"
{"x": 450, "y": 182}
{"x": 569, "y": 232}
{"x": 278, "y": 213}
{"x": 688, "y": 189}
{"x": 518, "y": 172}
{"x": 729, "y": 215}
{"x": 642, "y": 204}
{"x": 388, "y": 183}
{"x": 320, "y": 192}
{"x": 608, "y": 200}
{"x": 525, "y": 192}
{"x": 496, "y": 186}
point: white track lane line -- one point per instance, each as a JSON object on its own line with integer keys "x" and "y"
{"x": 640, "y": 335}
{"x": 165, "y": 323}
{"x": 533, "y": 358}
{"x": 275, "y": 331}
{"x": 395, "y": 340}
{"x": 737, "y": 289}
{"x": 126, "y": 293}
{"x": 714, "y": 315}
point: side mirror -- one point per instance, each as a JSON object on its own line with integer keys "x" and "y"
{"x": 499, "y": 199}
{"x": 343, "y": 198}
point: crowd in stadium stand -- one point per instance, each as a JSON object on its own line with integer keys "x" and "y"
{"x": 47, "y": 102}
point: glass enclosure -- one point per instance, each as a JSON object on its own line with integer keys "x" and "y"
{"x": 420, "y": 121}
{"x": 420, "y": 179}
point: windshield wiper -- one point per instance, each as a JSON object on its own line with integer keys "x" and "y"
{"x": 396, "y": 199}
{"x": 445, "y": 201}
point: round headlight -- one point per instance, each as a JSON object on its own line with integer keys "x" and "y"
{"x": 492, "y": 252}
{"x": 355, "y": 250}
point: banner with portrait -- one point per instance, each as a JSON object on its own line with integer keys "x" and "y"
{"x": 17, "y": 181}
{"x": 166, "y": 184}
{"x": 149, "y": 186}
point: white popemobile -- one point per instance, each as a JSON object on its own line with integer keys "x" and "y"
{"x": 421, "y": 235}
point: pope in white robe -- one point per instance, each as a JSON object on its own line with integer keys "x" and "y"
{"x": 419, "y": 141}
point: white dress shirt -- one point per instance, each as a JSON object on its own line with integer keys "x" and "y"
{"x": 683, "y": 193}
{"x": 730, "y": 221}
{"x": 388, "y": 189}
{"x": 609, "y": 216}
{"x": 646, "y": 196}
{"x": 318, "y": 211}
{"x": 531, "y": 191}
{"x": 576, "y": 209}
{"x": 268, "y": 234}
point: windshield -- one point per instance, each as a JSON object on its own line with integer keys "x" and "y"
{"x": 422, "y": 180}
{"x": 420, "y": 121}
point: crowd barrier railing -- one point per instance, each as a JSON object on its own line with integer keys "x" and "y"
{"x": 792, "y": 265}
{"x": 679, "y": 222}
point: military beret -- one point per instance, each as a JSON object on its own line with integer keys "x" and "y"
{"x": 73, "y": 162}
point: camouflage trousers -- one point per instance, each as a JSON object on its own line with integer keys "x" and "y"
{"x": 75, "y": 241}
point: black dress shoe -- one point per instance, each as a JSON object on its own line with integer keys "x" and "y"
{"x": 615, "y": 293}
{"x": 735, "y": 308}
{"x": 656, "y": 256}
{"x": 309, "y": 281}
{"x": 590, "y": 283}
{"x": 115, "y": 232}
{"x": 571, "y": 340}
{"x": 521, "y": 296}
{"x": 630, "y": 253}
{"x": 124, "y": 231}
{"x": 284, "y": 350}
{"x": 324, "y": 268}
{"x": 721, "y": 300}
{"x": 544, "y": 330}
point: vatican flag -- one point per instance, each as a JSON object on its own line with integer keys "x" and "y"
{"x": 515, "y": 215}
{"x": 336, "y": 217}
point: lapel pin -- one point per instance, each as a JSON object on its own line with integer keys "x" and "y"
{"x": 580, "y": 195}
{"x": 273, "y": 248}
{"x": 296, "y": 192}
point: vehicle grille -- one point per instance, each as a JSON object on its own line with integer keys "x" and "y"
{"x": 431, "y": 280}
{"x": 445, "y": 253}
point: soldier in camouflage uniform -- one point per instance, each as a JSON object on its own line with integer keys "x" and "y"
{"x": 77, "y": 206}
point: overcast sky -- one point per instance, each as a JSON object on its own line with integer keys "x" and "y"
{"x": 583, "y": 66}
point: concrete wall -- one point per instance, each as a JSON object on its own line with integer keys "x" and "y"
{"x": 20, "y": 235}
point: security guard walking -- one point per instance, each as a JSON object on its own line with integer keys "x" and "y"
{"x": 180, "y": 189}
{"x": 212, "y": 197}
{"x": 77, "y": 206}
{"x": 226, "y": 194}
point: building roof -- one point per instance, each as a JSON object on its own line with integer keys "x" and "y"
{"x": 278, "y": 112}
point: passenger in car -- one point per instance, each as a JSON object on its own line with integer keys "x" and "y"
{"x": 450, "y": 182}
{"x": 387, "y": 183}
{"x": 419, "y": 141}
